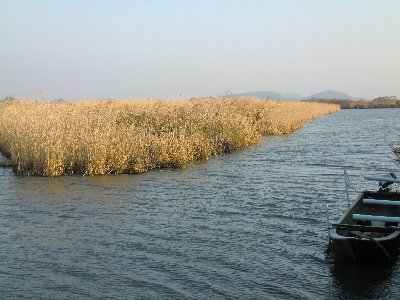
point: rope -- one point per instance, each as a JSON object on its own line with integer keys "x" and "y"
{"x": 371, "y": 239}
{"x": 377, "y": 243}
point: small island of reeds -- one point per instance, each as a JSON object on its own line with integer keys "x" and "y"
{"x": 132, "y": 136}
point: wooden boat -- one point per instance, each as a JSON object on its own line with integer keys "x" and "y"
{"x": 370, "y": 228}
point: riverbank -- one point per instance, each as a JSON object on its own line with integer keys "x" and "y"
{"x": 380, "y": 102}
{"x": 120, "y": 136}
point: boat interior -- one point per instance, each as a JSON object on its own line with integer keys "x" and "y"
{"x": 374, "y": 214}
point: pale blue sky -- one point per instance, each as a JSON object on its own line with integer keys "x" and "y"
{"x": 160, "y": 49}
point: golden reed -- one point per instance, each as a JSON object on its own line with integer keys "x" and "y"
{"x": 126, "y": 136}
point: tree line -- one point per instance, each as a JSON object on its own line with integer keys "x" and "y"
{"x": 380, "y": 102}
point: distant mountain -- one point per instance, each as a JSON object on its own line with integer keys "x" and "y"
{"x": 271, "y": 95}
{"x": 292, "y": 96}
{"x": 329, "y": 94}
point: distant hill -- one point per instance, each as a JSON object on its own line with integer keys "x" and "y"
{"x": 271, "y": 95}
{"x": 328, "y": 94}
{"x": 292, "y": 96}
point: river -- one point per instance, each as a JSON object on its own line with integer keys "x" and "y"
{"x": 248, "y": 225}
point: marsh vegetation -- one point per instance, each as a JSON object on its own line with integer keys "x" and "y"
{"x": 121, "y": 136}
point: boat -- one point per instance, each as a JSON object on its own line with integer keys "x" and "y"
{"x": 370, "y": 228}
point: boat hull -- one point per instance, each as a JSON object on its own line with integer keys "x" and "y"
{"x": 359, "y": 249}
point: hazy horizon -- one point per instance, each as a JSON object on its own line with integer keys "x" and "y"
{"x": 171, "y": 49}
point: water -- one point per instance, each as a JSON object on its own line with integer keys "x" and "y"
{"x": 249, "y": 225}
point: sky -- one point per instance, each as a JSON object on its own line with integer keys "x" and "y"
{"x": 181, "y": 49}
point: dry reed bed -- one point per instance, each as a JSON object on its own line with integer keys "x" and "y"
{"x": 104, "y": 137}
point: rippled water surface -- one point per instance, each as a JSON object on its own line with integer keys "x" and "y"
{"x": 249, "y": 225}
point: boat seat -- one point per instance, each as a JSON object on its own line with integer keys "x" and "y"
{"x": 383, "y": 179}
{"x": 376, "y": 218}
{"x": 381, "y": 202}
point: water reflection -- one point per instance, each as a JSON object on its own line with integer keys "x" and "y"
{"x": 360, "y": 280}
